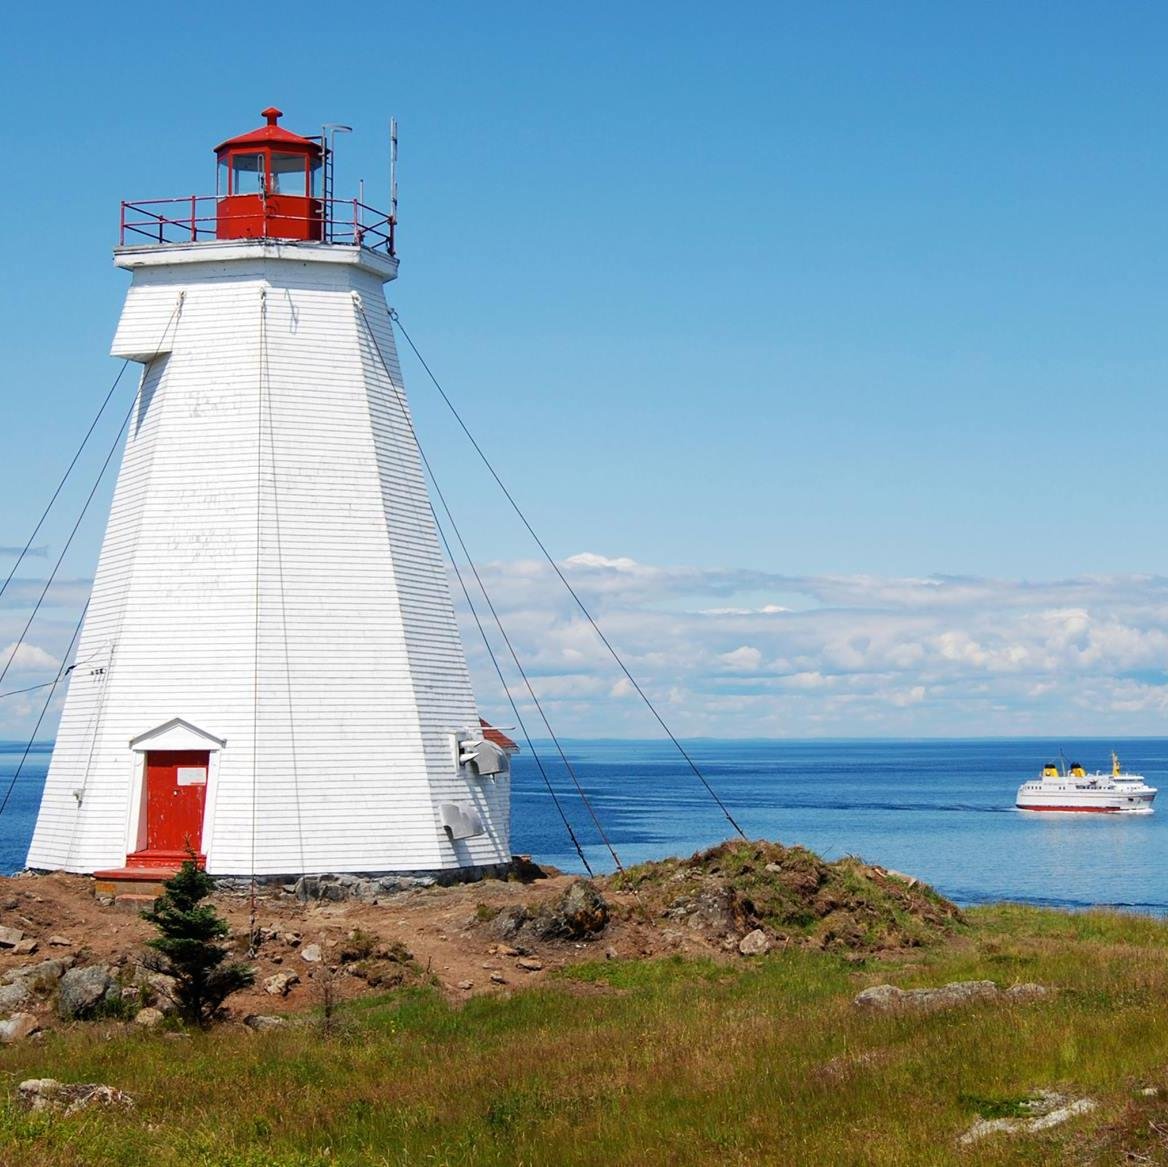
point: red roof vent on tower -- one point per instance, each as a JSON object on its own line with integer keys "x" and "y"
{"x": 498, "y": 737}
{"x": 268, "y": 184}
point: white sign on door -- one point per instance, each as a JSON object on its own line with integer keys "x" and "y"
{"x": 192, "y": 776}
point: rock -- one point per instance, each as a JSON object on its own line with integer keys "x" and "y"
{"x": 581, "y": 912}
{"x": 1062, "y": 1114}
{"x": 611, "y": 954}
{"x": 49, "y": 1094}
{"x": 987, "y": 1126}
{"x": 262, "y": 1022}
{"x": 497, "y": 978}
{"x": 466, "y": 986}
{"x": 507, "y": 924}
{"x": 884, "y": 998}
{"x": 59, "y": 942}
{"x": 83, "y": 990}
{"x": 773, "y": 868}
{"x": 14, "y": 995}
{"x": 279, "y": 984}
{"x": 24, "y": 947}
{"x": 149, "y": 1017}
{"x": 1150, "y": 1091}
{"x": 1028, "y": 992}
{"x": 10, "y": 937}
{"x": 17, "y": 1028}
{"x": 754, "y": 943}
{"x": 529, "y": 964}
{"x": 46, "y": 970}
{"x": 311, "y": 953}
{"x": 1046, "y": 1109}
{"x": 161, "y": 990}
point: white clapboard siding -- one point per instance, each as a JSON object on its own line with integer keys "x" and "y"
{"x": 325, "y": 656}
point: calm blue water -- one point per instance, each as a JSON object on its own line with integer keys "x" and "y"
{"x": 941, "y": 810}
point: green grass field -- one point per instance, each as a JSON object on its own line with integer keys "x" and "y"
{"x": 653, "y": 1062}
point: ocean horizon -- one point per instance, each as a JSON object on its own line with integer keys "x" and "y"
{"x": 940, "y": 809}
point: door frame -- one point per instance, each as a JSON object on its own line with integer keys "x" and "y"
{"x": 174, "y": 735}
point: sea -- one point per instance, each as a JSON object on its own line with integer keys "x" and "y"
{"x": 941, "y": 810}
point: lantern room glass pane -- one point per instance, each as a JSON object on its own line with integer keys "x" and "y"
{"x": 314, "y": 179}
{"x": 288, "y": 174}
{"x": 247, "y": 174}
{"x": 221, "y": 177}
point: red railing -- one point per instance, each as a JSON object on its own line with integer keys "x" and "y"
{"x": 194, "y": 219}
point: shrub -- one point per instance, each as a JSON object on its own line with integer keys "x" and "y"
{"x": 189, "y": 947}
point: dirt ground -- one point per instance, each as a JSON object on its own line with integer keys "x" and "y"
{"x": 733, "y": 901}
{"x": 447, "y": 931}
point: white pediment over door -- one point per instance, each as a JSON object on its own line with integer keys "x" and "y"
{"x": 177, "y": 734}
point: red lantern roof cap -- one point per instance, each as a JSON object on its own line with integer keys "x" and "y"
{"x": 271, "y": 135}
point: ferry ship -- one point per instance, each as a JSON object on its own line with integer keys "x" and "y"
{"x": 1074, "y": 789}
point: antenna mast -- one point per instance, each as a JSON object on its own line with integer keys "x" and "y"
{"x": 392, "y": 182}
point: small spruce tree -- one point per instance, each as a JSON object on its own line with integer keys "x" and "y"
{"x": 189, "y": 946}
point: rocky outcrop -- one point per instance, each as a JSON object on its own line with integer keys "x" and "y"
{"x": 580, "y": 913}
{"x": 49, "y": 1094}
{"x": 888, "y": 998}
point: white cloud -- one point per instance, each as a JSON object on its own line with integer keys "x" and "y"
{"x": 847, "y": 654}
{"x": 739, "y": 652}
{"x": 26, "y": 658}
{"x": 744, "y": 659}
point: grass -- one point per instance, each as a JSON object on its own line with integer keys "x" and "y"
{"x": 653, "y": 1062}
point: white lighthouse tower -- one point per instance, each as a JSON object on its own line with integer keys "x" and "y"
{"x": 270, "y": 673}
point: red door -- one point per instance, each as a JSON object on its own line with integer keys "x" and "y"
{"x": 176, "y": 790}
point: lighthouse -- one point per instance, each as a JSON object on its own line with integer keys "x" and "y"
{"x": 270, "y": 674}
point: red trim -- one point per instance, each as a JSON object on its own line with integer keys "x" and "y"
{"x": 1075, "y": 809}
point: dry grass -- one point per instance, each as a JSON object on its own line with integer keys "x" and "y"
{"x": 661, "y": 1062}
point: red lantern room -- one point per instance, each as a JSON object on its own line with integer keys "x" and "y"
{"x": 268, "y": 185}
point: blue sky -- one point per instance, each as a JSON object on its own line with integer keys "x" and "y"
{"x": 771, "y": 295}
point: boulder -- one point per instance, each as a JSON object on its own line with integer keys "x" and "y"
{"x": 14, "y": 995}
{"x": 149, "y": 1017}
{"x": 885, "y": 998}
{"x": 17, "y": 1028}
{"x": 529, "y": 964}
{"x": 754, "y": 943}
{"x": 10, "y": 937}
{"x": 60, "y": 942}
{"x": 509, "y": 922}
{"x": 581, "y": 912}
{"x": 49, "y": 1094}
{"x": 48, "y": 970}
{"x": 83, "y": 991}
{"x": 1028, "y": 992}
{"x": 262, "y": 1022}
{"x": 279, "y": 984}
{"x": 311, "y": 953}
{"x": 24, "y": 947}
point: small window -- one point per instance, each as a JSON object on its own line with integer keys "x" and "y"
{"x": 314, "y": 179}
{"x": 247, "y": 174}
{"x": 288, "y": 174}
{"x": 221, "y": 177}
